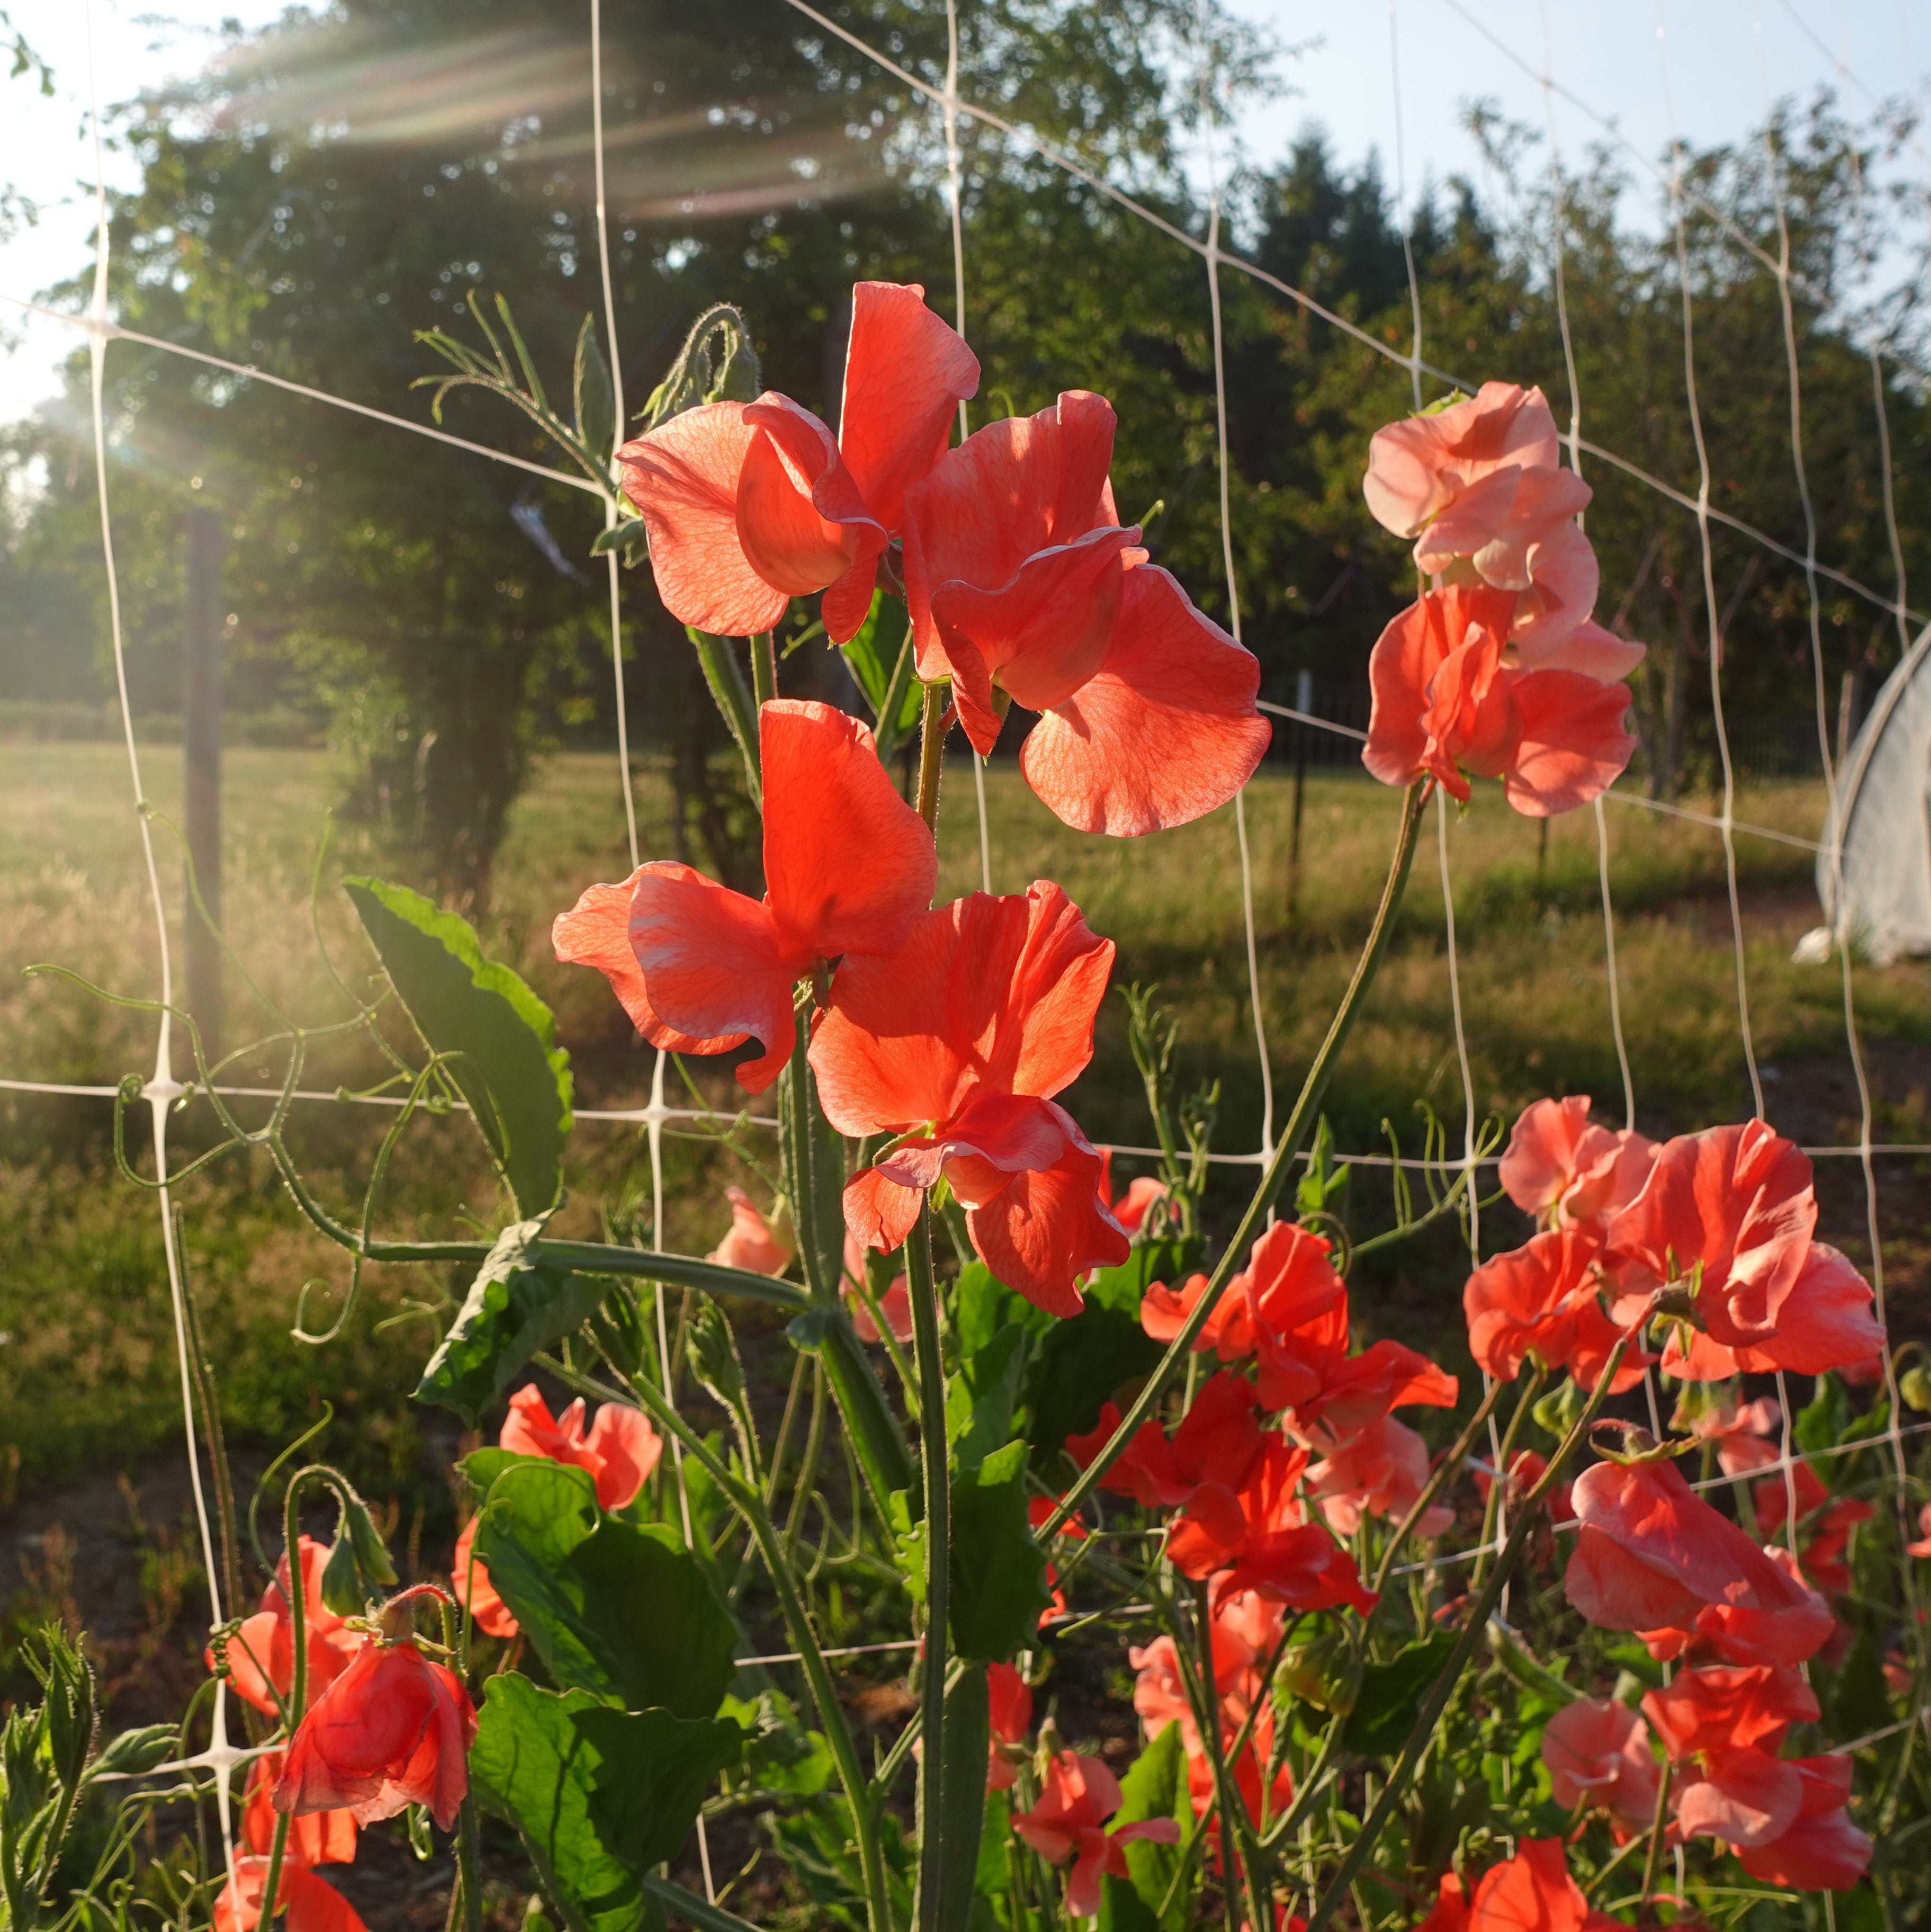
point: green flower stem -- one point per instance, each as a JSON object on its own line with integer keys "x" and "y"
{"x": 1236, "y": 1849}
{"x": 763, "y": 669}
{"x": 938, "y": 1560}
{"x": 1445, "y": 1472}
{"x": 1294, "y": 1139}
{"x": 750, "y": 1505}
{"x": 679, "y": 1271}
{"x": 931, "y": 751}
{"x": 886, "y": 734}
{"x": 1491, "y": 1512}
{"x": 1653, "y": 1857}
{"x": 469, "y": 1866}
{"x": 1472, "y": 1635}
{"x": 719, "y": 664}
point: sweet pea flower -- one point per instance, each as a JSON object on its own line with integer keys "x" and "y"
{"x": 1544, "y": 1300}
{"x": 1213, "y": 1448}
{"x": 261, "y": 1653}
{"x": 750, "y": 1243}
{"x": 1009, "y": 1705}
{"x": 1737, "y": 1431}
{"x": 1143, "y": 1194}
{"x": 1598, "y": 1753}
{"x": 955, "y": 1044}
{"x": 1533, "y": 1889}
{"x": 1380, "y": 1469}
{"x": 394, "y": 1730}
{"x": 1069, "y": 1822}
{"x": 895, "y": 1304}
{"x": 1244, "y": 1629}
{"x": 1821, "y": 1850}
{"x": 748, "y": 505}
{"x": 1563, "y": 1168}
{"x": 848, "y": 865}
{"x": 1477, "y": 483}
{"x": 1825, "y": 1522}
{"x": 1651, "y": 1555}
{"x": 469, "y": 1579}
{"x": 1922, "y": 1547}
{"x": 1447, "y": 703}
{"x": 619, "y": 1449}
{"x": 320, "y": 1838}
{"x": 1023, "y": 588}
{"x": 1827, "y": 1322}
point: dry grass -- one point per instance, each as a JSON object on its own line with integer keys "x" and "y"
{"x": 86, "y": 1373}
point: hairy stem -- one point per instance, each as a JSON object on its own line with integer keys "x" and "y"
{"x": 1300, "y": 1123}
{"x": 938, "y": 1560}
{"x": 931, "y": 751}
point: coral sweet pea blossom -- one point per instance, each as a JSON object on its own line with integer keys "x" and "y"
{"x": 1531, "y": 1892}
{"x": 1563, "y": 1168}
{"x": 1650, "y": 1555}
{"x": 261, "y": 1653}
{"x": 1069, "y": 1822}
{"x": 1213, "y": 1448}
{"x": 848, "y": 865}
{"x": 1820, "y": 1850}
{"x": 748, "y": 505}
{"x": 1544, "y": 1300}
{"x": 619, "y": 1451}
{"x": 1477, "y": 483}
{"x": 1022, "y": 587}
{"x": 1598, "y": 1753}
{"x": 1731, "y": 1212}
{"x": 321, "y": 1838}
{"x": 956, "y": 1042}
{"x": 750, "y": 1243}
{"x": 1739, "y": 1432}
{"x": 1143, "y": 1194}
{"x": 394, "y": 1730}
{"x": 1010, "y": 1707}
{"x": 1448, "y": 702}
{"x": 1825, "y": 1522}
{"x": 895, "y": 1304}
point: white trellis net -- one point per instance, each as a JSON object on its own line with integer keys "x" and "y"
{"x": 950, "y": 96}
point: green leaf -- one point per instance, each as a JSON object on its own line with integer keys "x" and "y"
{"x": 619, "y": 537}
{"x": 593, "y": 395}
{"x": 1857, "y": 1698}
{"x": 1082, "y": 1363}
{"x": 873, "y": 657}
{"x": 781, "y": 1755}
{"x": 517, "y": 1306}
{"x": 1822, "y": 1424}
{"x": 620, "y": 1610}
{"x": 1321, "y": 1180}
{"x": 982, "y": 1305}
{"x": 1156, "y": 1787}
{"x": 998, "y": 1572}
{"x": 506, "y": 1064}
{"x": 599, "y": 1796}
{"x": 980, "y": 1399}
{"x": 1384, "y": 1709}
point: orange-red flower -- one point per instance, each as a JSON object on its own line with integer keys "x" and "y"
{"x": 261, "y": 1653}
{"x": 1023, "y": 588}
{"x": 895, "y": 1304}
{"x": 1651, "y": 1555}
{"x": 619, "y": 1451}
{"x": 748, "y": 505}
{"x": 956, "y": 1043}
{"x": 320, "y": 1838}
{"x": 1009, "y": 1710}
{"x": 1448, "y": 702}
{"x": 750, "y": 1242}
{"x": 848, "y": 866}
{"x": 395, "y": 1729}
{"x": 1824, "y": 1523}
{"x": 1531, "y": 1892}
{"x": 1821, "y": 1850}
{"x": 1069, "y": 1822}
{"x": 1739, "y": 1431}
{"x": 1563, "y": 1168}
{"x": 1544, "y": 1299}
{"x": 1379, "y": 1469}
{"x": 1143, "y": 1194}
{"x": 1598, "y": 1753}
{"x": 1213, "y": 1448}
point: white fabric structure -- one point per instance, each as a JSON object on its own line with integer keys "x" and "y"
{"x": 1874, "y": 872}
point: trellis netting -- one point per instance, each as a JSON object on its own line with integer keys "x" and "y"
{"x": 1873, "y": 848}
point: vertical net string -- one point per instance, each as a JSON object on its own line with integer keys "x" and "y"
{"x": 163, "y": 1090}
{"x": 1213, "y": 259}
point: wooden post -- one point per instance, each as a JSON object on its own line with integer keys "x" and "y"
{"x": 1303, "y": 702}
{"x": 201, "y": 748}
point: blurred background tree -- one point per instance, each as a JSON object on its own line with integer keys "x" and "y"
{"x": 330, "y": 187}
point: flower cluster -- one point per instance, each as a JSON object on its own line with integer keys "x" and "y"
{"x": 1497, "y": 669}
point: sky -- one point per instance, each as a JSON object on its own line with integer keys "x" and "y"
{"x": 1703, "y": 69}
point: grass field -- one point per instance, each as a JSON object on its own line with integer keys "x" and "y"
{"x": 86, "y": 1368}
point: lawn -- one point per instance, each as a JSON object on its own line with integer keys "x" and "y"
{"x": 86, "y": 1374}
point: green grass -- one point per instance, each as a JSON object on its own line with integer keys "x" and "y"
{"x": 86, "y": 1374}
